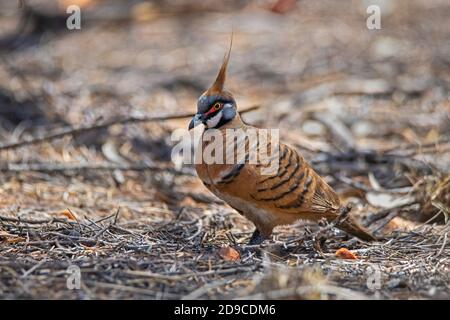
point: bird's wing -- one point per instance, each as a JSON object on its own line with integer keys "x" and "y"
{"x": 294, "y": 188}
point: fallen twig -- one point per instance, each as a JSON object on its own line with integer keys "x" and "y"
{"x": 52, "y": 167}
{"x": 99, "y": 126}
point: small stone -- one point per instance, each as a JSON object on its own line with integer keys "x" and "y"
{"x": 362, "y": 128}
{"x": 313, "y": 128}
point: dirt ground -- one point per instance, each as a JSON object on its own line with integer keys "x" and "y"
{"x": 87, "y": 180}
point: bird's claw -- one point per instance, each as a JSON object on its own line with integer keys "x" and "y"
{"x": 256, "y": 239}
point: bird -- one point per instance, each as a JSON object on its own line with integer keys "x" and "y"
{"x": 292, "y": 192}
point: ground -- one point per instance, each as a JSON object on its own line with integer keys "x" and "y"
{"x": 87, "y": 179}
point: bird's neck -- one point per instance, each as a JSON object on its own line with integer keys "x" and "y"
{"x": 235, "y": 123}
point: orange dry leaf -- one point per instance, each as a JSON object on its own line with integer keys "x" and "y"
{"x": 344, "y": 253}
{"x": 188, "y": 202}
{"x": 68, "y": 214}
{"x": 10, "y": 238}
{"x": 90, "y": 250}
{"x": 144, "y": 12}
{"x": 283, "y": 6}
{"x": 64, "y": 4}
{"x": 229, "y": 254}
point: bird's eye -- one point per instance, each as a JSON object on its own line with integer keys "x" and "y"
{"x": 216, "y": 106}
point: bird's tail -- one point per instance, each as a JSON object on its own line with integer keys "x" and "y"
{"x": 350, "y": 226}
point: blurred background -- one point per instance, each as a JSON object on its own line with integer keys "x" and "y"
{"x": 296, "y": 59}
{"x": 369, "y": 108}
{"x": 314, "y": 68}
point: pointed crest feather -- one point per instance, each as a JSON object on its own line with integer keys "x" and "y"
{"x": 220, "y": 79}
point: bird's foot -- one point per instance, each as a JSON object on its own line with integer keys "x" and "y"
{"x": 344, "y": 210}
{"x": 256, "y": 239}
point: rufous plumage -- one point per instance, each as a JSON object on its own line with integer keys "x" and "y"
{"x": 293, "y": 192}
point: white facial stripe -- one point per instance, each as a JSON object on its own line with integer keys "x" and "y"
{"x": 214, "y": 121}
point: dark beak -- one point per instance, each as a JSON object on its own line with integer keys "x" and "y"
{"x": 196, "y": 120}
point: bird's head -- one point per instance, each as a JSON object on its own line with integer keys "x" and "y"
{"x": 215, "y": 107}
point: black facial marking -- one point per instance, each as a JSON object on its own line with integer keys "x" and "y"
{"x": 206, "y": 102}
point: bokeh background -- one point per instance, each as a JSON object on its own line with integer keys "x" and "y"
{"x": 369, "y": 108}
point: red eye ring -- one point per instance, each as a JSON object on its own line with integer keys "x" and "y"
{"x": 215, "y": 107}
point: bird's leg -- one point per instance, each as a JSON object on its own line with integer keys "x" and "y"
{"x": 257, "y": 238}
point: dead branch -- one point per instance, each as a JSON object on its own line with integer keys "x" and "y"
{"x": 344, "y": 137}
{"x": 36, "y": 221}
{"x": 62, "y": 167}
{"x": 84, "y": 129}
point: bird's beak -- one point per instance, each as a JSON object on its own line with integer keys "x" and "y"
{"x": 196, "y": 120}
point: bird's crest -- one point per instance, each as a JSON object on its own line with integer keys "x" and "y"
{"x": 219, "y": 83}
